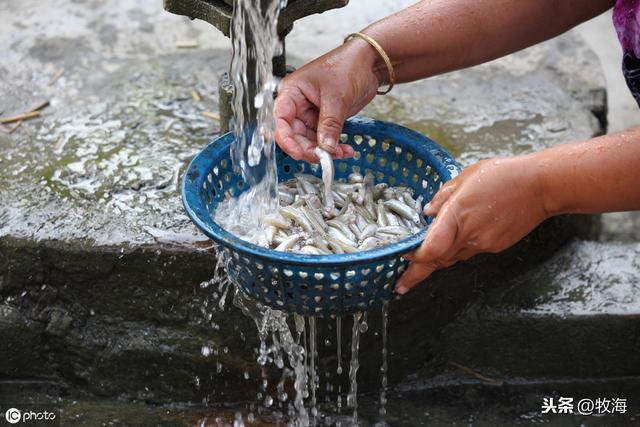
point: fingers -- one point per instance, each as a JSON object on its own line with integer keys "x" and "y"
{"x": 433, "y": 207}
{"x": 415, "y": 274}
{"x": 439, "y": 240}
{"x": 286, "y": 141}
{"x": 435, "y": 251}
{"x": 332, "y": 116}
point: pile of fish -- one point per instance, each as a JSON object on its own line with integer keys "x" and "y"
{"x": 320, "y": 217}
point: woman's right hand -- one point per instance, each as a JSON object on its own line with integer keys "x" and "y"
{"x": 314, "y": 101}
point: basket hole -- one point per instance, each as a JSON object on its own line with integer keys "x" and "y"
{"x": 405, "y": 171}
{"x": 419, "y": 162}
{"x": 291, "y": 295}
{"x": 409, "y": 156}
{"x": 379, "y": 176}
{"x": 348, "y": 286}
{"x": 210, "y": 178}
{"x": 436, "y": 177}
{"x": 318, "y": 276}
{"x": 289, "y": 284}
{"x": 392, "y": 263}
{"x": 300, "y": 167}
{"x": 240, "y": 184}
{"x": 287, "y": 272}
{"x": 303, "y": 274}
{"x": 355, "y": 169}
{"x": 398, "y": 150}
{"x": 395, "y": 165}
{"x": 386, "y": 287}
{"x": 370, "y": 157}
{"x": 286, "y": 168}
{"x": 342, "y": 166}
{"x": 334, "y": 287}
{"x": 318, "y": 288}
{"x": 382, "y": 161}
{"x": 386, "y": 144}
{"x": 344, "y": 138}
{"x": 427, "y": 170}
{"x": 372, "y": 142}
{"x": 350, "y": 273}
{"x": 335, "y": 275}
{"x": 224, "y": 163}
{"x": 389, "y": 274}
{"x": 220, "y": 184}
{"x": 415, "y": 178}
{"x": 216, "y": 171}
{"x": 304, "y": 286}
{"x": 401, "y": 269}
{"x": 280, "y": 303}
{"x": 318, "y": 299}
{"x": 357, "y": 155}
{"x": 365, "y": 271}
{"x": 379, "y": 268}
{"x": 424, "y": 184}
{"x": 357, "y": 139}
{"x": 392, "y": 180}
{"x": 364, "y": 284}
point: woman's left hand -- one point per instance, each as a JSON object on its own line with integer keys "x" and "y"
{"x": 487, "y": 208}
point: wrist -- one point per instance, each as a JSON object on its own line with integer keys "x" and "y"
{"x": 546, "y": 185}
{"x": 367, "y": 58}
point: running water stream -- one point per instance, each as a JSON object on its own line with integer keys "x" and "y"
{"x": 287, "y": 342}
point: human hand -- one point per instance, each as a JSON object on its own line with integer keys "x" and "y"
{"x": 487, "y": 208}
{"x": 314, "y": 101}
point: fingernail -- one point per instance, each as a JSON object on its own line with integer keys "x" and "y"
{"x": 401, "y": 290}
{"x": 426, "y": 208}
{"x": 329, "y": 144}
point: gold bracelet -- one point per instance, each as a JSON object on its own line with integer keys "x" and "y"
{"x": 383, "y": 54}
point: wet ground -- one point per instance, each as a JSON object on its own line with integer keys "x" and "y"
{"x": 99, "y": 267}
{"x": 515, "y": 404}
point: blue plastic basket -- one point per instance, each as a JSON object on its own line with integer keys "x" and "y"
{"x": 327, "y": 284}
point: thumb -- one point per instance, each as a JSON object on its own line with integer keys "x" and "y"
{"x": 333, "y": 113}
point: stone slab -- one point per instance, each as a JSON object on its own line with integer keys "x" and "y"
{"x": 99, "y": 266}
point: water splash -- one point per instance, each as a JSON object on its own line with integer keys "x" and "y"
{"x": 384, "y": 367}
{"x": 352, "y": 397}
{"x": 339, "y": 343}
{"x": 255, "y": 43}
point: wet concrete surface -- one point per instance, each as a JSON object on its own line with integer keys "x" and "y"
{"x": 100, "y": 268}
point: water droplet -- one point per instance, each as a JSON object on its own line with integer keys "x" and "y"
{"x": 268, "y": 401}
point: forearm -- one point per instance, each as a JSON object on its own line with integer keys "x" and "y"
{"x": 437, "y": 36}
{"x": 599, "y": 175}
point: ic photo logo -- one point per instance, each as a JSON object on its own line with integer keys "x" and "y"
{"x": 31, "y": 416}
{"x": 13, "y": 415}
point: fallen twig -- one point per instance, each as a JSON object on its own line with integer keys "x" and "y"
{"x": 196, "y": 96}
{"x": 14, "y": 127}
{"x": 186, "y": 44}
{"x": 475, "y": 374}
{"x": 211, "y": 115}
{"x": 56, "y": 76}
{"x": 20, "y": 117}
{"x": 40, "y": 106}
